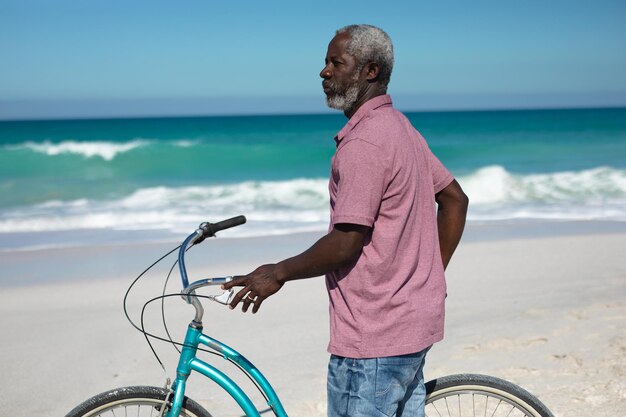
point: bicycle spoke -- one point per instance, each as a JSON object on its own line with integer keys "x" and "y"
{"x": 473, "y": 405}
{"x": 437, "y": 410}
{"x": 486, "y": 403}
{"x": 496, "y": 409}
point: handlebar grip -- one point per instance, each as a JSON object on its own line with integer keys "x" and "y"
{"x": 209, "y": 229}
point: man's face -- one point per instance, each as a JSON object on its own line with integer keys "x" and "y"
{"x": 341, "y": 75}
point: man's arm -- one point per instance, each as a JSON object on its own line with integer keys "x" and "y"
{"x": 452, "y": 209}
{"x": 340, "y": 247}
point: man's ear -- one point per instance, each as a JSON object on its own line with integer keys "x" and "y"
{"x": 372, "y": 71}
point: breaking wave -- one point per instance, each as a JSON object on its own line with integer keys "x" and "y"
{"x": 280, "y": 207}
{"x": 92, "y": 149}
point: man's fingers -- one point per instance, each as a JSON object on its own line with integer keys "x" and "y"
{"x": 237, "y": 281}
{"x": 254, "y": 300}
{"x": 247, "y": 300}
{"x": 238, "y": 297}
{"x": 257, "y": 286}
{"x": 257, "y": 305}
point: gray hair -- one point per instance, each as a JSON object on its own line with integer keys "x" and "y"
{"x": 370, "y": 44}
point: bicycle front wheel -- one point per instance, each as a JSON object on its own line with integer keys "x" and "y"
{"x": 472, "y": 395}
{"x": 133, "y": 401}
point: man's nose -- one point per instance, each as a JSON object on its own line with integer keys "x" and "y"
{"x": 325, "y": 73}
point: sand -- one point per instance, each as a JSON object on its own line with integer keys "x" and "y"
{"x": 545, "y": 312}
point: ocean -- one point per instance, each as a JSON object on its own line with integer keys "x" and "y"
{"x": 78, "y": 182}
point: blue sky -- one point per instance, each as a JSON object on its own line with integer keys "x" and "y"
{"x": 66, "y": 58}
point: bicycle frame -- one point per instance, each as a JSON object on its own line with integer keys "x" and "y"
{"x": 188, "y": 361}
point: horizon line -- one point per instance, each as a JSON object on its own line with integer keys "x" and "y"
{"x": 151, "y": 108}
{"x": 296, "y": 114}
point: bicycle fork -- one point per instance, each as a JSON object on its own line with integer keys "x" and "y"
{"x": 189, "y": 362}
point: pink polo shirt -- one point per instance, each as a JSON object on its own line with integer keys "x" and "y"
{"x": 391, "y": 301}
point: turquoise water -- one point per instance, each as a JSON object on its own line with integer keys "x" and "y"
{"x": 166, "y": 175}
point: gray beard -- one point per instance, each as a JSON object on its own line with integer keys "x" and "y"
{"x": 344, "y": 101}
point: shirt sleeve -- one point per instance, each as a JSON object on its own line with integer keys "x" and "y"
{"x": 362, "y": 179}
{"x": 441, "y": 176}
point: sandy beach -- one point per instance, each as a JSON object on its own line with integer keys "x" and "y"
{"x": 546, "y": 311}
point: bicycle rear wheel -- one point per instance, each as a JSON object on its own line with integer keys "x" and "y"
{"x": 471, "y": 395}
{"x": 137, "y": 401}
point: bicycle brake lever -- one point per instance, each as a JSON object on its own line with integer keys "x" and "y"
{"x": 224, "y": 297}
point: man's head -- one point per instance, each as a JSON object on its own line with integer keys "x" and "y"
{"x": 358, "y": 67}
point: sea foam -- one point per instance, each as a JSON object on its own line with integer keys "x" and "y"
{"x": 277, "y": 207}
{"x": 102, "y": 149}
{"x": 271, "y": 207}
{"x": 494, "y": 184}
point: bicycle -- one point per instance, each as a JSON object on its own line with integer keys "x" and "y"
{"x": 449, "y": 396}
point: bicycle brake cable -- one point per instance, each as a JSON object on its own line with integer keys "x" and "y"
{"x": 165, "y": 327}
{"x": 130, "y": 287}
{"x": 167, "y": 331}
{"x": 148, "y": 334}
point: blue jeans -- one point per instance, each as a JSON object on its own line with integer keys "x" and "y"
{"x": 390, "y": 386}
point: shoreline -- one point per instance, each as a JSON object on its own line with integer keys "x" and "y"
{"x": 102, "y": 260}
{"x": 474, "y": 231}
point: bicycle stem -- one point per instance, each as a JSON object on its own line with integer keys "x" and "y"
{"x": 189, "y": 290}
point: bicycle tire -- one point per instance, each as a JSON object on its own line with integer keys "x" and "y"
{"x": 142, "y": 400}
{"x": 473, "y": 395}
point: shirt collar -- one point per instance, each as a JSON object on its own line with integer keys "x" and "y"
{"x": 361, "y": 113}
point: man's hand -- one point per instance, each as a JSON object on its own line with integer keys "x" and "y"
{"x": 257, "y": 286}
{"x": 342, "y": 246}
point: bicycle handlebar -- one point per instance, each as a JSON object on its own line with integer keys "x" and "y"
{"x": 205, "y": 230}
{"x": 223, "y": 298}
{"x": 209, "y": 229}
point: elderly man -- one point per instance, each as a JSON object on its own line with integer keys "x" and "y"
{"x": 387, "y": 248}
